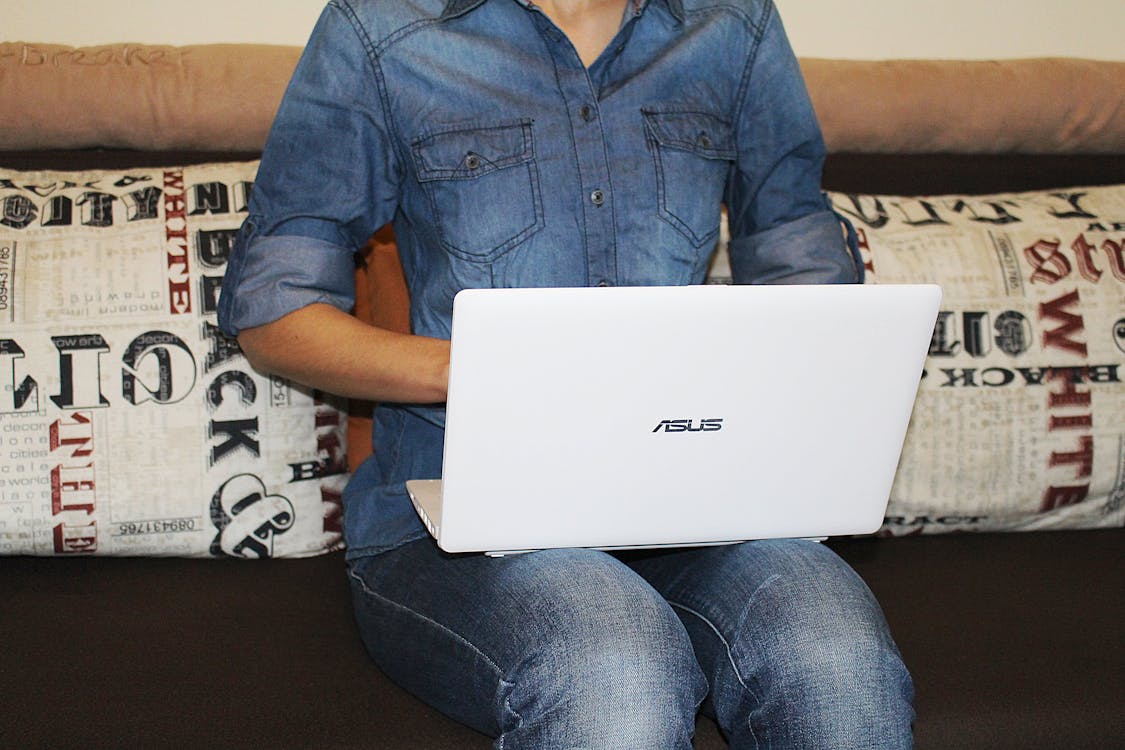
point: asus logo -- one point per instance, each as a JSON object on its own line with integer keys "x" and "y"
{"x": 689, "y": 425}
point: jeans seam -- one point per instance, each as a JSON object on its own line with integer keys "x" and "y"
{"x": 502, "y": 681}
{"x": 730, "y": 656}
{"x": 726, "y": 644}
{"x": 715, "y": 630}
{"x": 460, "y": 638}
{"x": 506, "y": 684}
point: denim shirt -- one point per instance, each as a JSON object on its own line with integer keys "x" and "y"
{"x": 503, "y": 161}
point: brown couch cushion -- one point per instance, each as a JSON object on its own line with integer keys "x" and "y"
{"x": 1047, "y": 105}
{"x": 223, "y": 96}
{"x": 216, "y": 96}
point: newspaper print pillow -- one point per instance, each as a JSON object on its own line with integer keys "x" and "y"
{"x": 129, "y": 425}
{"x": 1020, "y": 418}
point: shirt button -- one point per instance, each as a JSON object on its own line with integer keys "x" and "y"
{"x": 472, "y": 161}
{"x": 586, "y": 112}
{"x": 597, "y": 197}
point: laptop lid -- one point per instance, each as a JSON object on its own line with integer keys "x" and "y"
{"x": 652, "y": 416}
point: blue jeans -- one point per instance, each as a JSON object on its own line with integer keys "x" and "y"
{"x": 779, "y": 641}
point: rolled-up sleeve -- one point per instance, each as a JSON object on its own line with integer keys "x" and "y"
{"x": 285, "y": 273}
{"x": 782, "y": 228}
{"x": 327, "y": 180}
{"x": 809, "y": 250}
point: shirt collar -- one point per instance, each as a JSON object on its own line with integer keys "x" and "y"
{"x": 457, "y": 7}
{"x": 675, "y": 7}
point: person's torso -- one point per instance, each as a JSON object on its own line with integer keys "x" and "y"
{"x": 521, "y": 167}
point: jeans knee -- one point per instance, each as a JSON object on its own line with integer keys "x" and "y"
{"x": 825, "y": 635}
{"x": 846, "y": 665}
{"x": 842, "y": 691}
{"x": 816, "y": 659}
{"x": 619, "y": 687}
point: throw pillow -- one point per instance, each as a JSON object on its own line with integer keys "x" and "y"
{"x": 129, "y": 424}
{"x": 1020, "y": 418}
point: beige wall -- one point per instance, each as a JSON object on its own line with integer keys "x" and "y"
{"x": 856, "y": 29}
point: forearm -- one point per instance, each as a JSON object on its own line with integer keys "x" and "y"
{"x": 325, "y": 348}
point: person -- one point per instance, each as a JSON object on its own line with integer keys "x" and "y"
{"x": 565, "y": 143}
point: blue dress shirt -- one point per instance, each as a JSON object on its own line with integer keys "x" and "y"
{"x": 502, "y": 161}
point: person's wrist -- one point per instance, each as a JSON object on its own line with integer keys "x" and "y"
{"x": 440, "y": 369}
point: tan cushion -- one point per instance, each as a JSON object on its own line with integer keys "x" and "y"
{"x": 223, "y": 98}
{"x": 219, "y": 97}
{"x": 1047, "y": 105}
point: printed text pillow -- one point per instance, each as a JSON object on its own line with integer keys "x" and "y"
{"x": 1020, "y": 416}
{"x": 129, "y": 425}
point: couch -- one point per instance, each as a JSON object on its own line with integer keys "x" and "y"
{"x": 1012, "y": 629}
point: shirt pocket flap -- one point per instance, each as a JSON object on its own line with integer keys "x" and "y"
{"x": 469, "y": 153}
{"x": 698, "y": 132}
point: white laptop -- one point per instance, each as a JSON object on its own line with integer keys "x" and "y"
{"x": 670, "y": 416}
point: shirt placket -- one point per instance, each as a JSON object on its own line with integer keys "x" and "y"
{"x": 580, "y": 99}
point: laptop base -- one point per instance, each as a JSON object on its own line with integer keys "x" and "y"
{"x": 425, "y": 495}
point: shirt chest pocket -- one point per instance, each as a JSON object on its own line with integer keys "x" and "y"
{"x": 483, "y": 187}
{"x": 692, "y": 153}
